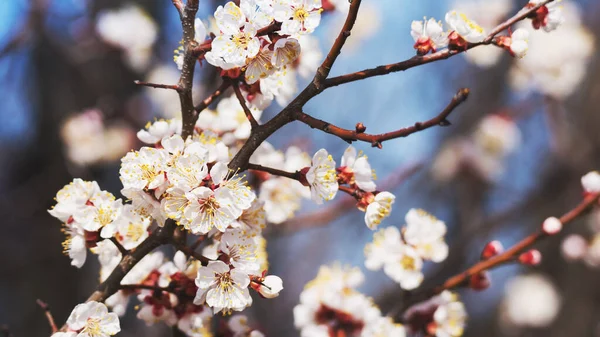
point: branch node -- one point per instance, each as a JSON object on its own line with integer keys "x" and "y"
{"x": 360, "y": 127}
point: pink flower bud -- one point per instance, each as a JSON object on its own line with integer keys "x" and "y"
{"x": 531, "y": 257}
{"x": 552, "y": 226}
{"x": 480, "y": 281}
{"x": 492, "y": 249}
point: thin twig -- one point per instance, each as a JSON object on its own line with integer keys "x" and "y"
{"x": 48, "y": 314}
{"x": 274, "y": 171}
{"x": 208, "y": 100}
{"x": 420, "y": 60}
{"x": 334, "y": 52}
{"x": 144, "y": 286}
{"x": 376, "y": 139}
{"x": 191, "y": 253}
{"x": 242, "y": 100}
{"x": 507, "y": 256}
{"x": 158, "y": 85}
{"x": 119, "y": 246}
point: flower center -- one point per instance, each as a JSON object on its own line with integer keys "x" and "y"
{"x": 93, "y": 328}
{"x": 209, "y": 205}
{"x": 104, "y": 216}
{"x": 300, "y": 14}
{"x": 148, "y": 172}
{"x": 408, "y": 263}
{"x": 240, "y": 40}
{"x": 225, "y": 282}
{"x": 134, "y": 231}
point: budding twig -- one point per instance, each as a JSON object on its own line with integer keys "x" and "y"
{"x": 242, "y": 100}
{"x": 510, "y": 255}
{"x": 158, "y": 85}
{"x": 208, "y": 100}
{"x": 375, "y": 140}
{"x": 48, "y": 314}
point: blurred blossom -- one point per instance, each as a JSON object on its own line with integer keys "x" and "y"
{"x": 87, "y": 141}
{"x": 488, "y": 14}
{"x": 131, "y": 29}
{"x": 495, "y": 138}
{"x": 556, "y": 62}
{"x": 592, "y": 255}
{"x": 530, "y": 301}
{"x": 574, "y": 247}
{"x": 367, "y": 24}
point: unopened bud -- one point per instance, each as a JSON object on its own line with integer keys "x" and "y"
{"x": 552, "y": 226}
{"x": 480, "y": 281}
{"x": 531, "y": 257}
{"x": 456, "y": 42}
{"x": 269, "y": 287}
{"x": 492, "y": 249}
{"x": 360, "y": 127}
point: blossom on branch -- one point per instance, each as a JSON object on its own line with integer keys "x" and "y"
{"x": 429, "y": 36}
{"x": 321, "y": 177}
{"x": 93, "y": 319}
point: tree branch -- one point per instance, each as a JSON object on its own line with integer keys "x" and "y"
{"x": 119, "y": 246}
{"x": 48, "y": 314}
{"x": 191, "y": 253}
{"x": 242, "y": 100}
{"x": 421, "y": 60}
{"x": 508, "y": 256}
{"x": 274, "y": 171}
{"x": 188, "y": 112}
{"x": 158, "y": 85}
{"x": 376, "y": 139}
{"x": 334, "y": 52}
{"x": 144, "y": 286}
{"x": 208, "y": 100}
{"x": 112, "y": 284}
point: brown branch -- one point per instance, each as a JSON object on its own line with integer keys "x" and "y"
{"x": 208, "y": 100}
{"x": 376, "y": 139}
{"x": 188, "y": 112}
{"x": 507, "y": 256}
{"x": 179, "y": 6}
{"x": 48, "y": 314}
{"x": 158, "y": 85}
{"x": 334, "y": 52}
{"x": 119, "y": 246}
{"x": 112, "y": 284}
{"x": 420, "y": 60}
{"x": 191, "y": 253}
{"x": 242, "y": 100}
{"x": 274, "y": 171}
{"x": 144, "y": 286}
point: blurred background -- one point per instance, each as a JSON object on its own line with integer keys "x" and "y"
{"x": 513, "y": 156}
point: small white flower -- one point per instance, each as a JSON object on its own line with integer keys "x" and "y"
{"x": 450, "y": 317}
{"x": 238, "y": 40}
{"x": 426, "y": 233}
{"x": 221, "y": 288}
{"x": 258, "y": 12}
{"x": 383, "y": 326}
{"x": 241, "y": 250}
{"x": 155, "y": 132}
{"x": 405, "y": 267}
{"x": 379, "y": 209}
{"x": 144, "y": 168}
{"x": 591, "y": 182}
{"x": 196, "y": 324}
{"x": 465, "y": 27}
{"x": 131, "y": 228}
{"x": 109, "y": 257}
{"x": 552, "y": 226}
{"x": 311, "y": 56}
{"x": 73, "y": 197}
{"x": 200, "y": 30}
{"x": 74, "y": 245}
{"x": 285, "y": 51}
{"x": 377, "y": 253}
{"x": 549, "y": 19}
{"x": 298, "y": 16}
{"x": 322, "y": 177}
{"x": 102, "y": 210}
{"x": 280, "y": 199}
{"x": 259, "y": 66}
{"x": 92, "y": 319}
{"x": 253, "y": 219}
{"x": 519, "y": 42}
{"x": 271, "y": 287}
{"x": 142, "y": 269}
{"x": 231, "y": 117}
{"x": 429, "y": 35}
{"x": 359, "y": 167}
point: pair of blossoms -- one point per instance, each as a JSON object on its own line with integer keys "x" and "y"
{"x": 429, "y": 35}
{"x": 239, "y": 47}
{"x": 330, "y": 305}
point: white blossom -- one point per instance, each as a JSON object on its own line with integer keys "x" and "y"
{"x": 429, "y": 35}
{"x": 271, "y": 286}
{"x": 359, "y": 167}
{"x": 101, "y": 211}
{"x": 426, "y": 233}
{"x": 285, "y": 51}
{"x": 72, "y": 198}
{"x": 379, "y": 209}
{"x": 92, "y": 319}
{"x": 531, "y": 301}
{"x": 155, "y": 132}
{"x": 405, "y": 267}
{"x": 519, "y": 42}
{"x": 222, "y": 288}
{"x": 297, "y": 16}
{"x": 591, "y": 182}
{"x": 450, "y": 316}
{"x": 464, "y": 26}
{"x": 322, "y": 177}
